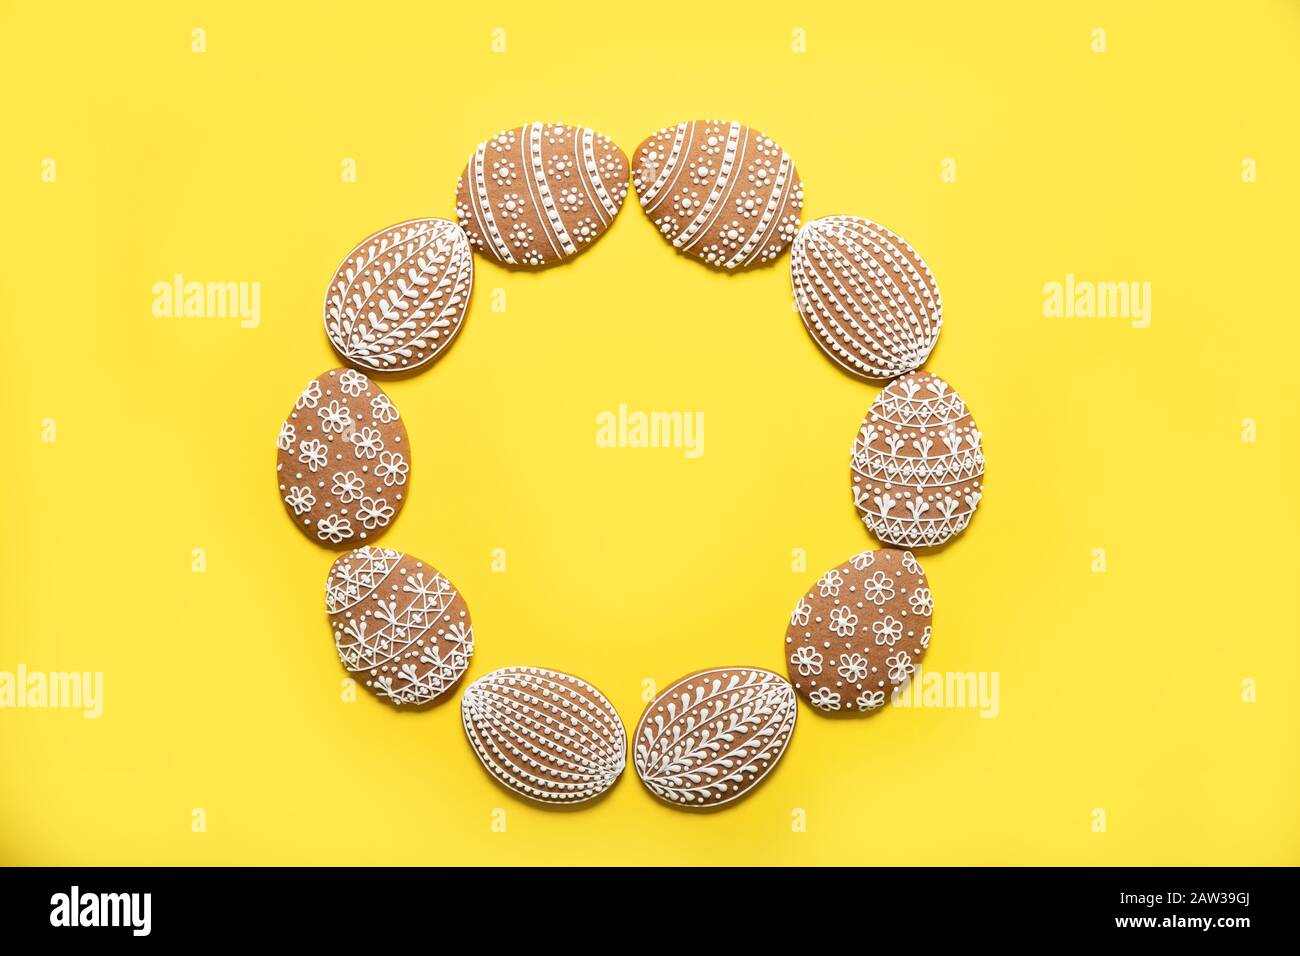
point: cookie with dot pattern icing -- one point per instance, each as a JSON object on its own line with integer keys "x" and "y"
{"x": 546, "y": 735}
{"x": 719, "y": 191}
{"x": 398, "y": 299}
{"x": 859, "y": 632}
{"x": 343, "y": 459}
{"x": 399, "y": 625}
{"x": 713, "y": 736}
{"x": 918, "y": 463}
{"x": 537, "y": 194}
{"x": 867, "y": 297}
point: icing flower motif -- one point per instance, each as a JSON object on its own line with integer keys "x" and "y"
{"x": 900, "y": 665}
{"x": 335, "y": 417}
{"x": 887, "y": 630}
{"x": 367, "y": 442}
{"x": 300, "y": 499}
{"x": 878, "y": 588}
{"x": 533, "y": 258}
{"x": 288, "y": 435}
{"x": 584, "y": 230}
{"x": 843, "y": 621}
{"x": 807, "y": 660}
{"x": 909, "y": 563}
{"x": 312, "y": 454}
{"x": 871, "y": 700}
{"x": 828, "y": 585}
{"x": 511, "y": 205}
{"x": 570, "y": 199}
{"x": 392, "y": 468}
{"x": 333, "y": 528}
{"x": 520, "y": 235}
{"x": 348, "y": 486}
{"x": 503, "y": 172}
{"x": 825, "y": 698}
{"x": 374, "y": 513}
{"x": 925, "y": 636}
{"x": 352, "y": 383}
{"x": 383, "y": 409}
{"x": 799, "y": 616}
{"x": 853, "y": 668}
{"x": 863, "y": 561}
{"x": 922, "y": 601}
{"x": 309, "y": 397}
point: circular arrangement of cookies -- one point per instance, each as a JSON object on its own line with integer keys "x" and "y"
{"x": 730, "y": 197}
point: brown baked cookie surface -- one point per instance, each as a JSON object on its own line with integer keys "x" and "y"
{"x": 859, "y": 632}
{"x": 544, "y": 734}
{"x": 719, "y": 191}
{"x": 398, "y": 299}
{"x": 343, "y": 461}
{"x": 537, "y": 194}
{"x": 918, "y": 463}
{"x": 713, "y": 736}
{"x": 867, "y": 297}
{"x": 399, "y": 625}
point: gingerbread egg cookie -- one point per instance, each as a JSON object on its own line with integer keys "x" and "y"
{"x": 859, "y": 632}
{"x": 918, "y": 464}
{"x": 714, "y": 735}
{"x": 537, "y": 194}
{"x": 721, "y": 192}
{"x": 867, "y": 298}
{"x": 343, "y": 459}
{"x": 399, "y": 297}
{"x": 547, "y": 736}
{"x": 399, "y": 625}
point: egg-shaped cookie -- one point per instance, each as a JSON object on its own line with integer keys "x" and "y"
{"x": 537, "y": 194}
{"x": 398, "y": 298}
{"x": 399, "y": 625}
{"x": 866, "y": 296}
{"x": 343, "y": 459}
{"x": 714, "y": 735}
{"x": 918, "y": 463}
{"x": 859, "y": 632}
{"x": 719, "y": 191}
{"x": 544, "y": 734}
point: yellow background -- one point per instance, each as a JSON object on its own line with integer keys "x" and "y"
{"x": 1119, "y": 690}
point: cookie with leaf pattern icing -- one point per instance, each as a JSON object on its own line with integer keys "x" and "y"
{"x": 719, "y": 191}
{"x": 918, "y": 463}
{"x": 399, "y": 625}
{"x": 343, "y": 460}
{"x": 859, "y": 632}
{"x": 537, "y": 194}
{"x": 713, "y": 736}
{"x": 398, "y": 299}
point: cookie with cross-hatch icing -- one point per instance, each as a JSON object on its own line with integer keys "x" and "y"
{"x": 719, "y": 191}
{"x": 544, "y": 734}
{"x": 859, "y": 632}
{"x": 538, "y": 194}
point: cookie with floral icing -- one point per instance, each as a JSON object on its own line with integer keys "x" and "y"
{"x": 546, "y": 735}
{"x": 398, "y": 299}
{"x": 918, "y": 463}
{"x": 859, "y": 632}
{"x": 537, "y": 194}
{"x": 399, "y": 625}
{"x": 343, "y": 459}
{"x": 866, "y": 296}
{"x": 713, "y": 736}
{"x": 719, "y": 191}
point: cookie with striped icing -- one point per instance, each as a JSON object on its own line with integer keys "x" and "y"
{"x": 719, "y": 191}
{"x": 866, "y": 296}
{"x": 537, "y": 194}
